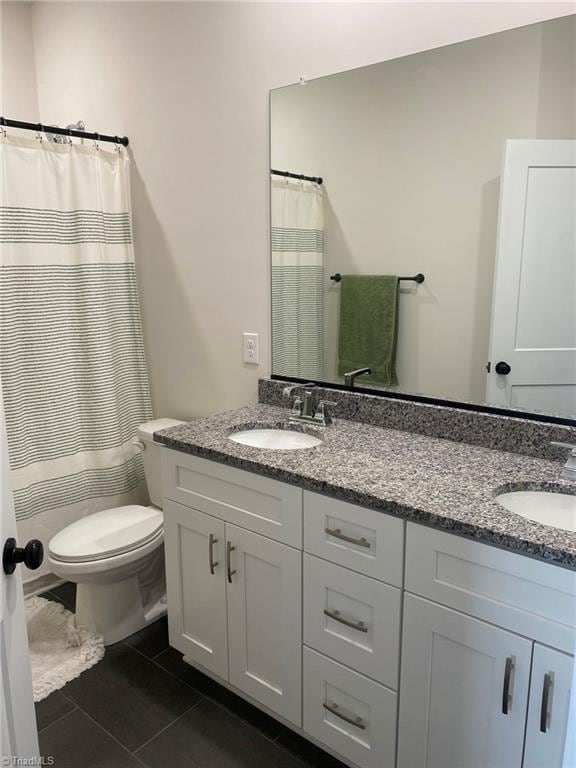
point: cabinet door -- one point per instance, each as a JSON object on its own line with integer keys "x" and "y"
{"x": 196, "y": 586}
{"x": 264, "y": 585}
{"x": 548, "y": 708}
{"x": 463, "y": 691}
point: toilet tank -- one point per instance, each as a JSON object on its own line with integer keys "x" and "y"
{"x": 151, "y": 455}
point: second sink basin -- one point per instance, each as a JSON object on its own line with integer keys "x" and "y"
{"x": 555, "y": 509}
{"x": 275, "y": 439}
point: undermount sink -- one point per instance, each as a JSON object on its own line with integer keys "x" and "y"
{"x": 275, "y": 439}
{"x": 555, "y": 509}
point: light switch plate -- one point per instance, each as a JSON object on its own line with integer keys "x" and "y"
{"x": 250, "y": 348}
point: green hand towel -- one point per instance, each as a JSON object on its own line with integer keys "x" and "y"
{"x": 368, "y": 326}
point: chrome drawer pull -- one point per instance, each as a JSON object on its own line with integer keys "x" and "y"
{"x": 359, "y": 625}
{"x": 337, "y": 533}
{"x": 229, "y": 550}
{"x": 506, "y": 697}
{"x": 544, "y": 712}
{"x": 211, "y": 542}
{"x": 355, "y": 721}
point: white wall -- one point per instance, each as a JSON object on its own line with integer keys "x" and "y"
{"x": 18, "y": 94}
{"x": 410, "y": 152}
{"x": 188, "y": 82}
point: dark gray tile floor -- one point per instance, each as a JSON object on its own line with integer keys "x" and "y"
{"x": 143, "y": 706}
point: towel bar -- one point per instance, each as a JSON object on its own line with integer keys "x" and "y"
{"x": 419, "y": 278}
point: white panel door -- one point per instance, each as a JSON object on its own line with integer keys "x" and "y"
{"x": 264, "y": 585}
{"x": 463, "y": 691}
{"x": 534, "y": 303}
{"x": 18, "y": 736}
{"x": 196, "y": 586}
{"x": 548, "y": 708}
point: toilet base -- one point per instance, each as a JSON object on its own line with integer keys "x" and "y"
{"x": 115, "y": 610}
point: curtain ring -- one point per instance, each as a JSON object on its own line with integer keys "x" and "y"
{"x": 96, "y": 138}
{"x": 3, "y": 133}
{"x": 117, "y": 147}
{"x": 69, "y": 135}
{"x": 39, "y": 132}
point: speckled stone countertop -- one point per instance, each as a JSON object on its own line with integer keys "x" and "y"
{"x": 428, "y": 480}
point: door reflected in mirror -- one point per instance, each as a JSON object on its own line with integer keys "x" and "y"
{"x": 424, "y": 223}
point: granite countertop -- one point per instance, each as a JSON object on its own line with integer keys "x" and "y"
{"x": 449, "y": 485}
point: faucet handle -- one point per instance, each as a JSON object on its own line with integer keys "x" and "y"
{"x": 297, "y": 406}
{"x": 323, "y": 411}
{"x": 568, "y": 446}
{"x": 290, "y": 389}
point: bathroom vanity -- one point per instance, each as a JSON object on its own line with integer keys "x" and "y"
{"x": 370, "y": 593}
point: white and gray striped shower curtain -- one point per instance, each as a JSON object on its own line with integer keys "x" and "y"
{"x": 297, "y": 279}
{"x": 72, "y": 364}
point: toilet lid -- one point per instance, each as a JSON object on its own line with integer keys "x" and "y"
{"x": 107, "y": 533}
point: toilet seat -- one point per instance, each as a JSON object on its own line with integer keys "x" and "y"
{"x": 107, "y": 534}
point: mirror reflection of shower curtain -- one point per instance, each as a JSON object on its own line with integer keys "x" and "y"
{"x": 74, "y": 376}
{"x": 297, "y": 279}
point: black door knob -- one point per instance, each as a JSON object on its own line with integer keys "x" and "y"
{"x": 31, "y": 555}
{"x": 503, "y": 368}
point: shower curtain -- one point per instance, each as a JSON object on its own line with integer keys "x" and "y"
{"x": 297, "y": 279}
{"x": 72, "y": 364}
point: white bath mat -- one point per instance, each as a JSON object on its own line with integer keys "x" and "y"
{"x": 58, "y": 651}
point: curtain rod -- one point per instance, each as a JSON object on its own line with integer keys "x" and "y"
{"x": 38, "y": 127}
{"x": 300, "y": 176}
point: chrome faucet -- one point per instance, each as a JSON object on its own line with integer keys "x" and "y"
{"x": 350, "y": 376}
{"x": 569, "y": 469}
{"x": 306, "y": 406}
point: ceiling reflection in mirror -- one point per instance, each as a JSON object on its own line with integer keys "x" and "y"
{"x": 424, "y": 223}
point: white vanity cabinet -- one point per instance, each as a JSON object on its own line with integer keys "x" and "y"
{"x": 464, "y": 690}
{"x": 235, "y": 606}
{"x": 235, "y": 596}
{"x": 473, "y": 693}
{"x": 391, "y": 645}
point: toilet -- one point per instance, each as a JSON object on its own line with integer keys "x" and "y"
{"x": 116, "y": 556}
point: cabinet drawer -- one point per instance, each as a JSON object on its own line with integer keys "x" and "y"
{"x": 361, "y": 539}
{"x": 245, "y": 499}
{"x": 364, "y": 730}
{"x": 527, "y": 596}
{"x": 353, "y": 619}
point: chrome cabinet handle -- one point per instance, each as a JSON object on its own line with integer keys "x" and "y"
{"x": 506, "y": 698}
{"x": 337, "y": 533}
{"x": 546, "y": 688}
{"x": 360, "y": 626}
{"x": 211, "y": 541}
{"x": 229, "y": 550}
{"x": 355, "y": 721}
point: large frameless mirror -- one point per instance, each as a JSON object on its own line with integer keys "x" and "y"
{"x": 424, "y": 223}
